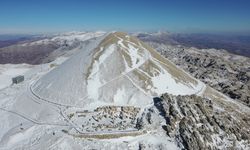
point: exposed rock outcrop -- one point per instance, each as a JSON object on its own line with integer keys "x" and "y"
{"x": 201, "y": 123}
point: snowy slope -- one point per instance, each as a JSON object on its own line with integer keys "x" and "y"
{"x": 114, "y": 69}
{"x": 8, "y": 71}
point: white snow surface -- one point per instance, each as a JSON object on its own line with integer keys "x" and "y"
{"x": 94, "y": 82}
{"x": 8, "y": 71}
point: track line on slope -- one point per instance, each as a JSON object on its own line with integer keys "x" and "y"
{"x": 51, "y": 102}
{"x": 29, "y": 119}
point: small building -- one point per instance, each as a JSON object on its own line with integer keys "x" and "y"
{"x": 17, "y": 79}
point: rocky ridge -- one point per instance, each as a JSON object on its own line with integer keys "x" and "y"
{"x": 197, "y": 122}
{"x": 225, "y": 72}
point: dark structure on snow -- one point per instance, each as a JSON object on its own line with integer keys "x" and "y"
{"x": 17, "y": 79}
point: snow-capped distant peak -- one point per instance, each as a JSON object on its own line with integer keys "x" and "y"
{"x": 68, "y": 38}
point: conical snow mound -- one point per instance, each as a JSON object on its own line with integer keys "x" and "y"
{"x": 115, "y": 69}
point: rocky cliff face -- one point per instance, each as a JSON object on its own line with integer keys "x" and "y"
{"x": 201, "y": 123}
{"x": 225, "y": 72}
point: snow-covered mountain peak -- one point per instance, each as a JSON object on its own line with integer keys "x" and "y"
{"x": 116, "y": 68}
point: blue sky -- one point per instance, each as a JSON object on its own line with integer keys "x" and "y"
{"x": 42, "y": 16}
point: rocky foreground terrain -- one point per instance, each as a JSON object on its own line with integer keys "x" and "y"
{"x": 225, "y": 72}
{"x": 202, "y": 123}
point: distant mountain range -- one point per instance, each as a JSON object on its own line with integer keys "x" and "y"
{"x": 237, "y": 44}
{"x": 38, "y": 49}
{"x": 40, "y": 52}
{"x": 12, "y": 39}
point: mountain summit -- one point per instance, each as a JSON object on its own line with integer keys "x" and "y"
{"x": 115, "y": 69}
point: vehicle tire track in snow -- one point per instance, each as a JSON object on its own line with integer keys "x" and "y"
{"x": 48, "y": 101}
